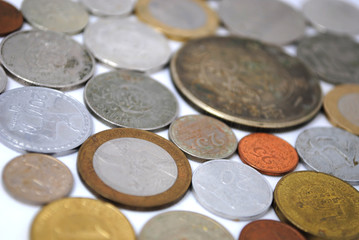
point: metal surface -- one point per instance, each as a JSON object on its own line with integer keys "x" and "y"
{"x": 10, "y": 18}
{"x": 3, "y": 80}
{"x": 109, "y": 7}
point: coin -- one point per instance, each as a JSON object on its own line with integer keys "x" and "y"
{"x": 178, "y": 20}
{"x": 341, "y": 107}
{"x": 37, "y": 119}
{"x": 246, "y": 82}
{"x": 267, "y": 153}
{"x": 81, "y": 218}
{"x": 46, "y": 59}
{"x": 3, "y": 80}
{"x": 119, "y": 42}
{"x": 178, "y": 225}
{"x": 278, "y": 24}
{"x": 37, "y": 178}
{"x": 135, "y": 168}
{"x": 109, "y": 7}
{"x": 318, "y": 204}
{"x": 56, "y": 15}
{"x": 231, "y": 190}
{"x": 10, "y": 18}
{"x": 131, "y": 99}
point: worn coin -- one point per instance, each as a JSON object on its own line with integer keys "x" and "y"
{"x": 64, "y": 16}
{"x": 37, "y": 178}
{"x": 131, "y": 99}
{"x": 37, "y": 119}
{"x": 3, "y": 80}
{"x": 178, "y": 20}
{"x": 278, "y": 24}
{"x": 246, "y": 82}
{"x": 180, "y": 225}
{"x": 10, "y": 18}
{"x": 46, "y": 59}
{"x": 231, "y": 190}
{"x": 322, "y": 206}
{"x": 109, "y": 7}
{"x": 126, "y": 43}
{"x": 81, "y": 218}
{"x": 136, "y": 168}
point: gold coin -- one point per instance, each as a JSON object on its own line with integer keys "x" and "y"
{"x": 341, "y": 107}
{"x": 80, "y": 218}
{"x": 322, "y": 206}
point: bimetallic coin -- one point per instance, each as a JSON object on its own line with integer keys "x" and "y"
{"x": 37, "y": 119}
{"x": 203, "y": 137}
{"x": 3, "y": 80}
{"x": 131, "y": 99}
{"x": 231, "y": 190}
{"x": 81, "y": 218}
{"x": 109, "y": 7}
{"x": 135, "y": 168}
{"x": 37, "y": 178}
{"x": 180, "y": 225}
{"x": 46, "y": 59}
{"x": 178, "y": 20}
{"x": 10, "y": 18}
{"x": 322, "y": 206}
{"x": 64, "y": 16}
{"x": 127, "y": 44}
{"x": 278, "y": 24}
{"x": 246, "y": 82}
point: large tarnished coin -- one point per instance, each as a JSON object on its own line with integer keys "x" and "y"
{"x": 109, "y": 7}
{"x": 136, "y": 168}
{"x": 131, "y": 99}
{"x": 10, "y": 18}
{"x": 246, "y": 82}
{"x": 81, "y": 218}
{"x": 46, "y": 59}
{"x": 3, "y": 80}
{"x": 322, "y": 206}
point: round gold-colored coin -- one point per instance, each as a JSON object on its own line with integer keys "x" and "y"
{"x": 135, "y": 168}
{"x": 81, "y": 218}
{"x": 341, "y": 107}
{"x": 322, "y": 206}
{"x": 178, "y": 20}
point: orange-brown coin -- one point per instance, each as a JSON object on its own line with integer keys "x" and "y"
{"x": 267, "y": 153}
{"x": 10, "y": 18}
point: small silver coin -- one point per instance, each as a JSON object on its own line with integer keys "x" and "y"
{"x": 130, "y": 99}
{"x": 44, "y": 120}
{"x": 126, "y": 44}
{"x": 3, "y": 80}
{"x": 47, "y": 59}
{"x": 231, "y": 190}
{"x": 109, "y": 7}
{"x": 273, "y": 22}
{"x": 330, "y": 150}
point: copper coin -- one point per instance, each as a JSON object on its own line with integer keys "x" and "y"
{"x": 269, "y": 230}
{"x": 135, "y": 168}
{"x": 10, "y": 18}
{"x": 267, "y": 153}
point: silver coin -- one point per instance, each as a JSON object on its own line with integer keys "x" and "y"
{"x": 278, "y": 24}
{"x": 42, "y": 120}
{"x": 330, "y": 150}
{"x": 231, "y": 190}
{"x": 56, "y": 15}
{"x": 109, "y": 7}
{"x": 46, "y": 59}
{"x": 127, "y": 44}
{"x": 130, "y": 99}
{"x": 332, "y": 15}
{"x": 3, "y": 80}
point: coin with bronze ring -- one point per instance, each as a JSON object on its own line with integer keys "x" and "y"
{"x": 10, "y": 18}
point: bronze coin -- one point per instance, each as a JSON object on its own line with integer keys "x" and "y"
{"x": 135, "y": 168}
{"x": 10, "y": 18}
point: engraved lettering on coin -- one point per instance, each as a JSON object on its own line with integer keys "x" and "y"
{"x": 109, "y": 7}
{"x": 348, "y": 107}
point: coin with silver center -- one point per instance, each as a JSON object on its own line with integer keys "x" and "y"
{"x": 3, "y": 80}
{"x": 109, "y": 7}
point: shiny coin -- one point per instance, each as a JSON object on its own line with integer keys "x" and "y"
{"x": 278, "y": 24}
{"x": 10, "y": 18}
{"x": 246, "y": 82}
{"x": 330, "y": 150}
{"x": 3, "y": 80}
{"x": 178, "y": 20}
{"x": 131, "y": 99}
{"x": 37, "y": 178}
{"x": 42, "y": 120}
{"x": 123, "y": 43}
{"x": 46, "y": 59}
{"x": 231, "y": 190}
{"x": 319, "y": 204}
{"x": 64, "y": 16}
{"x": 135, "y": 168}
{"x": 178, "y": 225}
{"x": 333, "y": 58}
{"x": 267, "y": 153}
{"x": 341, "y": 107}
{"x": 81, "y": 218}
{"x": 109, "y": 7}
